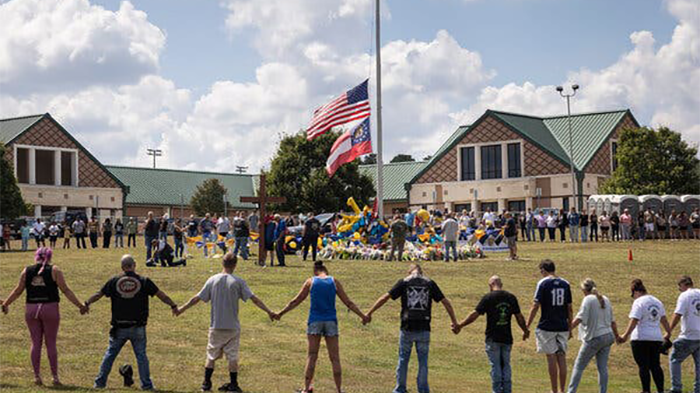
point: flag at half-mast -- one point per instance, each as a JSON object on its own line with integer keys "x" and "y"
{"x": 349, "y": 107}
{"x": 355, "y": 142}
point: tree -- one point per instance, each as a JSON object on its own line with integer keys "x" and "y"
{"x": 11, "y": 203}
{"x": 403, "y": 158}
{"x": 369, "y": 159}
{"x": 209, "y": 197}
{"x": 654, "y": 162}
{"x": 298, "y": 173}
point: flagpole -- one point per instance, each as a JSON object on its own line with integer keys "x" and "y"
{"x": 380, "y": 162}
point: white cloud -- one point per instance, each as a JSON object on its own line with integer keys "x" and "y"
{"x": 59, "y": 45}
{"x": 660, "y": 86}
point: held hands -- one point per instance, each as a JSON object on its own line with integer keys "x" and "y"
{"x": 273, "y": 316}
{"x": 526, "y": 334}
{"x": 5, "y": 309}
{"x": 84, "y": 308}
{"x": 366, "y": 319}
{"x": 620, "y": 339}
{"x": 456, "y": 328}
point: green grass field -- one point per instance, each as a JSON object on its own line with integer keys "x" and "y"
{"x": 273, "y": 354}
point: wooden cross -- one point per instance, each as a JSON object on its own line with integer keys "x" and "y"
{"x": 262, "y": 200}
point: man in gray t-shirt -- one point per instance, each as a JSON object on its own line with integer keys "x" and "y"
{"x": 224, "y": 290}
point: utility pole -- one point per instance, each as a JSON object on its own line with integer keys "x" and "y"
{"x": 155, "y": 153}
{"x": 241, "y": 169}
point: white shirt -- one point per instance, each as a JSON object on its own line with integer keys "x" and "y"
{"x": 688, "y": 307}
{"x": 53, "y": 230}
{"x": 595, "y": 320}
{"x": 647, "y": 310}
{"x": 39, "y": 228}
{"x": 450, "y": 230}
{"x": 222, "y": 225}
{"x": 489, "y": 217}
{"x": 551, "y": 222}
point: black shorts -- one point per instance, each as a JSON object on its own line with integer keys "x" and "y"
{"x": 53, "y": 238}
{"x": 661, "y": 228}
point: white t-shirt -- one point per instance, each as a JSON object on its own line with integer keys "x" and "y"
{"x": 551, "y": 222}
{"x": 595, "y": 320}
{"x": 224, "y": 291}
{"x": 53, "y": 230}
{"x": 39, "y": 228}
{"x": 688, "y": 307}
{"x": 223, "y": 225}
{"x": 648, "y": 310}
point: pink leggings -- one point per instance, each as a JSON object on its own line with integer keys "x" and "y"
{"x": 42, "y": 321}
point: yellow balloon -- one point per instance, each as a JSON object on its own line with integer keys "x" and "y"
{"x": 356, "y": 236}
{"x": 353, "y": 205}
{"x": 423, "y": 215}
{"x": 293, "y": 244}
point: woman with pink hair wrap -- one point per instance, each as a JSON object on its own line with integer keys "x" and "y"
{"x": 42, "y": 282}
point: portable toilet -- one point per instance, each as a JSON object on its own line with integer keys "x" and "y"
{"x": 652, "y": 202}
{"x": 691, "y": 202}
{"x": 672, "y": 202}
{"x": 629, "y": 202}
{"x": 592, "y": 201}
{"x": 607, "y": 204}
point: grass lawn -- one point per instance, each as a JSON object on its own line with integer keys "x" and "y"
{"x": 273, "y": 354}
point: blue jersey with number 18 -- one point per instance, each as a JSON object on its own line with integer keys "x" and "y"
{"x": 554, "y": 296}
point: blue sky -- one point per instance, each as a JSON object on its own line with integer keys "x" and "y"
{"x": 216, "y": 83}
{"x": 524, "y": 40}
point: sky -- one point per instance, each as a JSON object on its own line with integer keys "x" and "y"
{"x": 216, "y": 84}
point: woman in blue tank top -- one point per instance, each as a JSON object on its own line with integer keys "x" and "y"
{"x": 322, "y": 321}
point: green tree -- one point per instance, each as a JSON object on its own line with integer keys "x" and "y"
{"x": 298, "y": 173}
{"x": 11, "y": 203}
{"x": 369, "y": 159}
{"x": 403, "y": 158}
{"x": 654, "y": 162}
{"x": 209, "y": 197}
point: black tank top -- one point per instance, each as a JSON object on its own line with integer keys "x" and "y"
{"x": 41, "y": 288}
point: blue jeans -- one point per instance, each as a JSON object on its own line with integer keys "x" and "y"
{"x": 163, "y": 235}
{"x": 242, "y": 246}
{"x": 499, "y": 359}
{"x": 683, "y": 348}
{"x": 530, "y": 232}
{"x": 25, "y": 243}
{"x": 450, "y": 245}
{"x": 600, "y": 348}
{"x": 137, "y": 336}
{"x": 584, "y": 233}
{"x": 207, "y": 237}
{"x": 179, "y": 248}
{"x": 573, "y": 233}
{"x": 147, "y": 241}
{"x": 406, "y": 340}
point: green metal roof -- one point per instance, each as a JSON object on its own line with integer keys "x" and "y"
{"x": 13, "y": 127}
{"x": 163, "y": 186}
{"x": 396, "y": 175}
{"x": 588, "y": 133}
{"x": 534, "y": 129}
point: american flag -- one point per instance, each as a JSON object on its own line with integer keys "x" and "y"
{"x": 349, "y": 106}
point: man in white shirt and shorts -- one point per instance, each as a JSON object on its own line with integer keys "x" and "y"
{"x": 688, "y": 342}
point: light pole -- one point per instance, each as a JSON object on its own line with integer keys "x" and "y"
{"x": 560, "y": 89}
{"x": 155, "y": 153}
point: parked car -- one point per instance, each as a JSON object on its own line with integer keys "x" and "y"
{"x": 68, "y": 216}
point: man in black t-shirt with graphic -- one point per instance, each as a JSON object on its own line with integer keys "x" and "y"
{"x": 309, "y": 236}
{"x": 417, "y": 292}
{"x": 129, "y": 293}
{"x": 499, "y": 306}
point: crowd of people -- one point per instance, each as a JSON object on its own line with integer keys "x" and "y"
{"x": 129, "y": 293}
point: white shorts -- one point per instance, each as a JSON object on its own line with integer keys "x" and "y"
{"x": 649, "y": 227}
{"x": 551, "y": 342}
{"x": 223, "y": 341}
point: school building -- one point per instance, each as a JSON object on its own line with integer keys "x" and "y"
{"x": 513, "y": 161}
{"x": 55, "y": 172}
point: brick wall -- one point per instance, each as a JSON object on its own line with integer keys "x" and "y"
{"x": 537, "y": 161}
{"x": 47, "y": 133}
{"x": 601, "y": 164}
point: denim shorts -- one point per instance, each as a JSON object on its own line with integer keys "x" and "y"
{"x": 324, "y": 328}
